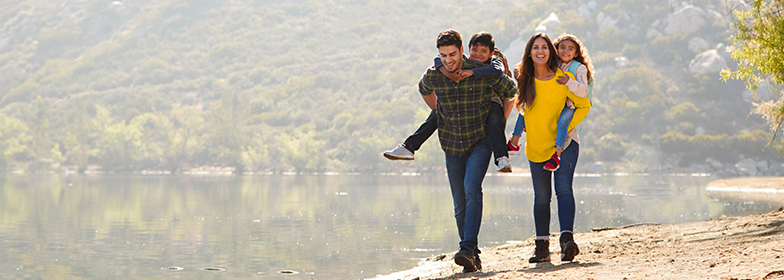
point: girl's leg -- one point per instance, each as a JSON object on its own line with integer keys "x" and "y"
{"x": 518, "y": 129}
{"x": 563, "y": 125}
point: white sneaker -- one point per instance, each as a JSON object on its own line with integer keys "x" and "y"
{"x": 504, "y": 165}
{"x": 399, "y": 153}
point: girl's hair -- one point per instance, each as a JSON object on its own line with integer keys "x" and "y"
{"x": 524, "y": 71}
{"x": 582, "y": 53}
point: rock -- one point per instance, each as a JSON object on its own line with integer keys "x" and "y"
{"x": 762, "y": 165}
{"x": 653, "y": 33}
{"x": 746, "y": 167}
{"x": 780, "y": 169}
{"x": 584, "y": 11}
{"x": 656, "y": 23}
{"x": 686, "y": 20}
{"x": 605, "y": 21}
{"x": 716, "y": 165}
{"x": 514, "y": 53}
{"x": 592, "y": 5}
{"x": 621, "y": 62}
{"x": 699, "y": 130}
{"x": 698, "y": 45}
{"x": 548, "y": 24}
{"x": 707, "y": 62}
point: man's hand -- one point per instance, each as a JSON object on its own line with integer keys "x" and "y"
{"x": 563, "y": 79}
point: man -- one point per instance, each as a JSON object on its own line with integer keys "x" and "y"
{"x": 462, "y": 106}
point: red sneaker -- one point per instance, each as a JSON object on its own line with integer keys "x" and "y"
{"x": 553, "y": 163}
{"x": 513, "y": 150}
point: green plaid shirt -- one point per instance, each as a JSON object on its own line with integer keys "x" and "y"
{"x": 463, "y": 106}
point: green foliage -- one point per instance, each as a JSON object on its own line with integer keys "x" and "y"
{"x": 758, "y": 47}
{"x": 667, "y": 50}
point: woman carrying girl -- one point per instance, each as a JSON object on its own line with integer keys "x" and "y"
{"x": 541, "y": 97}
{"x": 574, "y": 59}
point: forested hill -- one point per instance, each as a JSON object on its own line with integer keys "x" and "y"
{"x": 315, "y": 86}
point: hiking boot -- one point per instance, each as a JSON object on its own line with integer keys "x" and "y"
{"x": 569, "y": 248}
{"x": 477, "y": 262}
{"x": 504, "y": 165}
{"x": 466, "y": 259}
{"x": 541, "y": 252}
{"x": 513, "y": 150}
{"x": 553, "y": 163}
{"x": 399, "y": 153}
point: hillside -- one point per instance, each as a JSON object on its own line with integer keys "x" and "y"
{"x": 317, "y": 86}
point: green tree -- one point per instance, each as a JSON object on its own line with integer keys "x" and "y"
{"x": 758, "y": 47}
{"x": 13, "y": 140}
{"x": 229, "y": 135}
{"x": 78, "y": 135}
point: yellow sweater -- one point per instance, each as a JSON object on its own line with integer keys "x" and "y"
{"x": 541, "y": 119}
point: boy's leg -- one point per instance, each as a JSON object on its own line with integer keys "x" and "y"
{"x": 496, "y": 124}
{"x": 514, "y": 143}
{"x": 519, "y": 126}
{"x": 415, "y": 141}
{"x": 406, "y": 150}
{"x": 563, "y": 124}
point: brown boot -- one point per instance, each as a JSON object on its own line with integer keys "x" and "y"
{"x": 569, "y": 248}
{"x": 541, "y": 252}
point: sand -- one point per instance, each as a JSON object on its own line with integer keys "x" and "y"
{"x": 747, "y": 247}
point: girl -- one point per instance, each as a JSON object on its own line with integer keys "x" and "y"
{"x": 541, "y": 97}
{"x": 574, "y": 59}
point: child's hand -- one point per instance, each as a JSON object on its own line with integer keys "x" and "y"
{"x": 465, "y": 73}
{"x": 563, "y": 79}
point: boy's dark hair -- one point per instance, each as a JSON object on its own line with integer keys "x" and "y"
{"x": 482, "y": 39}
{"x": 449, "y": 37}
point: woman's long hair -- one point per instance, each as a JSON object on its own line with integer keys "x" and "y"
{"x": 582, "y": 53}
{"x": 524, "y": 71}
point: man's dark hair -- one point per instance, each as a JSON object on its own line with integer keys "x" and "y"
{"x": 482, "y": 39}
{"x": 449, "y": 37}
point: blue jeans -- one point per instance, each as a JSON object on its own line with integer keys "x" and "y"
{"x": 563, "y": 124}
{"x": 465, "y": 179}
{"x": 564, "y": 177}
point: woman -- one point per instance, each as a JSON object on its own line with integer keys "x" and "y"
{"x": 541, "y": 98}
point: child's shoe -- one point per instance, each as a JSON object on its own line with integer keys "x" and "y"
{"x": 553, "y": 163}
{"x": 504, "y": 166}
{"x": 513, "y": 150}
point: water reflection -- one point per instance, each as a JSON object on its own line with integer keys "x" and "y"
{"x": 294, "y": 227}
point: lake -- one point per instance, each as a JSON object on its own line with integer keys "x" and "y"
{"x": 297, "y": 226}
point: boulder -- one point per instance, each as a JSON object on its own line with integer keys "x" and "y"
{"x": 605, "y": 21}
{"x": 514, "y": 53}
{"x": 707, "y": 62}
{"x": 653, "y": 33}
{"x": 548, "y": 25}
{"x": 762, "y": 165}
{"x": 686, "y": 20}
{"x": 763, "y": 94}
{"x": 584, "y": 11}
{"x": 621, "y": 62}
{"x": 746, "y": 167}
{"x": 715, "y": 164}
{"x": 698, "y": 45}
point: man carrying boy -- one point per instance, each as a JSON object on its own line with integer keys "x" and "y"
{"x": 462, "y": 106}
{"x": 482, "y": 49}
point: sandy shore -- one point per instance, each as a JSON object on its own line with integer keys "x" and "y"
{"x": 748, "y": 247}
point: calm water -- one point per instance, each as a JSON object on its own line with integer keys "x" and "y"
{"x": 313, "y": 227}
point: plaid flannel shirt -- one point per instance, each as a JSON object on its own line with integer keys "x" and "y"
{"x": 463, "y": 106}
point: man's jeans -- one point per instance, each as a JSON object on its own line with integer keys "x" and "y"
{"x": 563, "y": 190}
{"x": 465, "y": 179}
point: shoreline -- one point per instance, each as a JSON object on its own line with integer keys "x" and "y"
{"x": 743, "y": 247}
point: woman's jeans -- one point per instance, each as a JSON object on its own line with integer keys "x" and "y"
{"x": 563, "y": 124}
{"x": 563, "y": 190}
{"x": 465, "y": 179}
